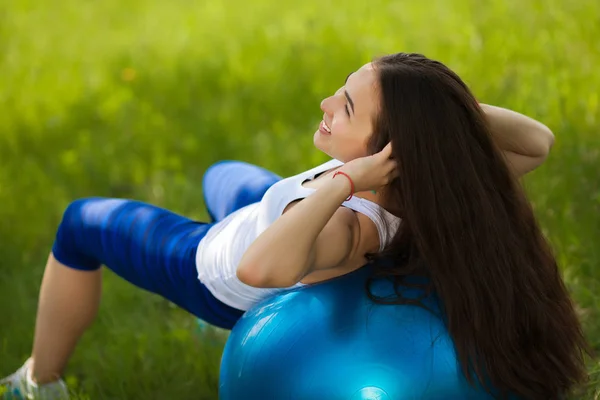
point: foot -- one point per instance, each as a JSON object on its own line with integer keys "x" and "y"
{"x": 20, "y": 386}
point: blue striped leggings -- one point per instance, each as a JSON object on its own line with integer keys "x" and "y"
{"x": 154, "y": 248}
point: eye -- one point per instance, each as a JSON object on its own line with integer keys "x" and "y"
{"x": 347, "y": 110}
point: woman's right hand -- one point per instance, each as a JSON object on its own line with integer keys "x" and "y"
{"x": 372, "y": 172}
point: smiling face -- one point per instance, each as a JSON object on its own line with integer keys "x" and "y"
{"x": 348, "y": 116}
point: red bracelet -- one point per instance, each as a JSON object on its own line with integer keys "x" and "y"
{"x": 350, "y": 179}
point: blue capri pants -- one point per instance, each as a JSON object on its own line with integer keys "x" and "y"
{"x": 154, "y": 248}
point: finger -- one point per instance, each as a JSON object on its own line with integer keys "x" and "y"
{"x": 387, "y": 151}
{"x": 393, "y": 169}
{"x": 391, "y": 164}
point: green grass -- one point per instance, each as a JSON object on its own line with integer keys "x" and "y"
{"x": 190, "y": 83}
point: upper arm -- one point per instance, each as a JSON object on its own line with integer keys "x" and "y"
{"x": 333, "y": 246}
{"x": 524, "y": 141}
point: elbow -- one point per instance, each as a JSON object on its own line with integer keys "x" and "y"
{"x": 260, "y": 277}
{"x": 549, "y": 135}
{"x": 251, "y": 276}
{"x": 546, "y": 141}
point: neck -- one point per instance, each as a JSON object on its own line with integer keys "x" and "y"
{"x": 379, "y": 198}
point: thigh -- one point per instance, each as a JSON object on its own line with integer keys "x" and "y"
{"x": 150, "y": 247}
{"x": 231, "y": 185}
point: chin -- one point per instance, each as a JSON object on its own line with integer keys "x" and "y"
{"x": 321, "y": 144}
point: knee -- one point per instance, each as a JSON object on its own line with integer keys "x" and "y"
{"x": 83, "y": 212}
{"x": 218, "y": 172}
{"x": 81, "y": 221}
{"x": 72, "y": 215}
{"x": 237, "y": 174}
{"x": 84, "y": 218}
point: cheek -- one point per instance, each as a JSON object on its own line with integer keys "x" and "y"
{"x": 348, "y": 140}
{"x": 340, "y": 126}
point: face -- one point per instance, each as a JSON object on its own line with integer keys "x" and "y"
{"x": 348, "y": 117}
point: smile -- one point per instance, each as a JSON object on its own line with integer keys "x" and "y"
{"x": 324, "y": 128}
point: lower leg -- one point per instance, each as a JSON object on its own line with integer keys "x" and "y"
{"x": 68, "y": 302}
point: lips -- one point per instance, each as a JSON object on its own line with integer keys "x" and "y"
{"x": 324, "y": 129}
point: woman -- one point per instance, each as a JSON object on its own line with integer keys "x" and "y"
{"x": 409, "y": 141}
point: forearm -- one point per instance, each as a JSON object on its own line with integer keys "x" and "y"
{"x": 517, "y": 133}
{"x": 282, "y": 254}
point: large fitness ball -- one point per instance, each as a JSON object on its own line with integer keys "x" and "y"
{"x": 330, "y": 341}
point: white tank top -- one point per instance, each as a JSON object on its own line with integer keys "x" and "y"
{"x": 220, "y": 251}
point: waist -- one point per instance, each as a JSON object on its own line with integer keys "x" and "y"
{"x": 219, "y": 253}
{"x": 234, "y": 293}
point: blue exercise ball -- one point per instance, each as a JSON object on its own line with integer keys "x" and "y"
{"x": 330, "y": 341}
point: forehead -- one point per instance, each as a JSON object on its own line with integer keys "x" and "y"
{"x": 362, "y": 88}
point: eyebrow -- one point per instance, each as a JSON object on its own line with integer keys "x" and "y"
{"x": 349, "y": 100}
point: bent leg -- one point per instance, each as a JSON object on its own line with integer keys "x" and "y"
{"x": 150, "y": 247}
{"x": 231, "y": 185}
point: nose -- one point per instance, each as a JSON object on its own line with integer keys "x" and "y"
{"x": 323, "y": 105}
{"x": 326, "y": 105}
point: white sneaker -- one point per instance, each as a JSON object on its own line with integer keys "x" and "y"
{"x": 20, "y": 386}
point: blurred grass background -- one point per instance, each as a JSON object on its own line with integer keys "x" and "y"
{"x": 137, "y": 98}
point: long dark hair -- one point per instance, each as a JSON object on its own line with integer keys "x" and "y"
{"x": 467, "y": 222}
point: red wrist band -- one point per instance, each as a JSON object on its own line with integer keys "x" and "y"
{"x": 350, "y": 179}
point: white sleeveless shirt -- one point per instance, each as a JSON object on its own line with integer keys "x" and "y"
{"x": 220, "y": 251}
